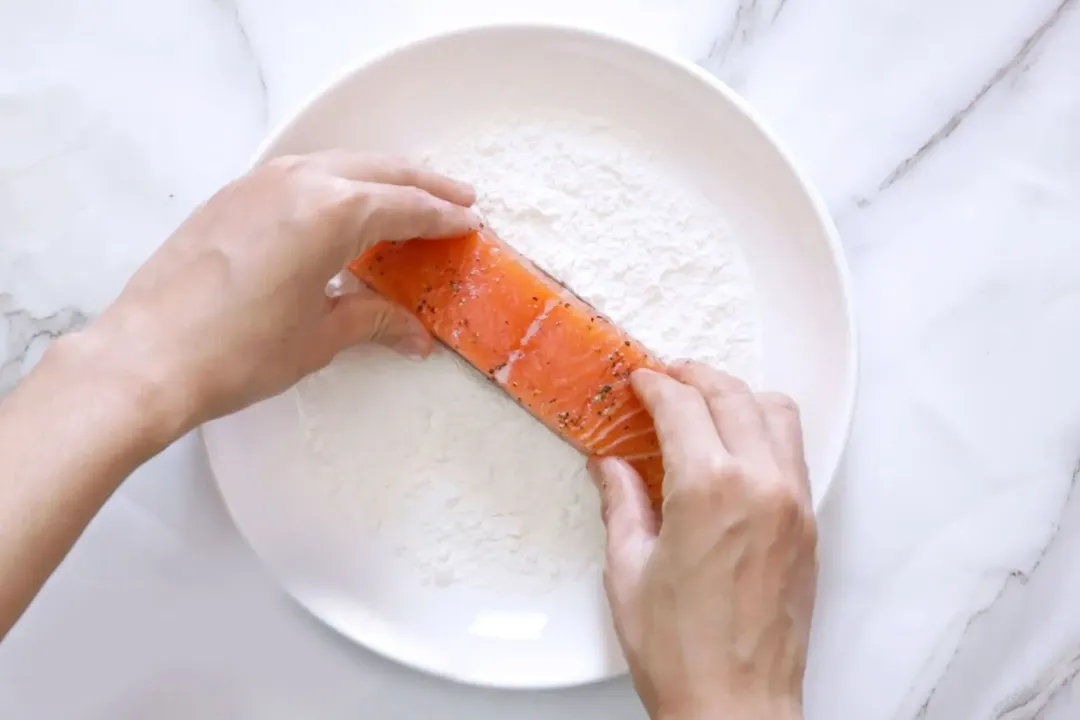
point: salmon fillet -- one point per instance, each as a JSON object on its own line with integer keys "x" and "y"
{"x": 551, "y": 351}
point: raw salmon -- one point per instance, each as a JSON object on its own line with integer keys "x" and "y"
{"x": 558, "y": 357}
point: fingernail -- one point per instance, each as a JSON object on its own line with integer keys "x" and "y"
{"x": 413, "y": 347}
{"x": 341, "y": 284}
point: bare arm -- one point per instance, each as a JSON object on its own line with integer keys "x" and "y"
{"x": 230, "y": 310}
{"x": 69, "y": 434}
{"x": 712, "y": 608}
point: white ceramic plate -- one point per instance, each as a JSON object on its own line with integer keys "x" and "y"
{"x": 396, "y": 104}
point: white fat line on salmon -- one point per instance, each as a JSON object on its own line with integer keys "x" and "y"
{"x": 502, "y": 375}
{"x": 620, "y": 440}
{"x": 612, "y": 426}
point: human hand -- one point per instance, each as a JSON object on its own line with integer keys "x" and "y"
{"x": 713, "y": 608}
{"x": 233, "y": 307}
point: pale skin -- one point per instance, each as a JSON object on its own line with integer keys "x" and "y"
{"x": 712, "y": 607}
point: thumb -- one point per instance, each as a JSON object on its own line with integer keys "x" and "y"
{"x": 630, "y": 522}
{"x": 364, "y": 316}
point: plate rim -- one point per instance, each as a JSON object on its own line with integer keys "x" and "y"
{"x": 834, "y": 455}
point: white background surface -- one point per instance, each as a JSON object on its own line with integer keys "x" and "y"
{"x": 945, "y": 135}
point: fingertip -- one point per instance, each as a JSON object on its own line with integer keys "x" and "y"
{"x": 453, "y": 221}
{"x": 600, "y": 470}
{"x": 396, "y": 213}
{"x": 646, "y": 384}
{"x": 604, "y": 470}
{"x": 596, "y": 471}
{"x": 414, "y": 345}
{"x": 406, "y": 334}
{"x": 682, "y": 368}
{"x": 678, "y": 370}
{"x": 708, "y": 379}
{"x": 400, "y": 171}
{"x": 457, "y": 192}
{"x": 628, "y": 518}
{"x": 464, "y": 194}
{"x": 474, "y": 220}
{"x": 642, "y": 378}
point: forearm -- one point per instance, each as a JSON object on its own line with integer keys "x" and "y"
{"x": 70, "y": 433}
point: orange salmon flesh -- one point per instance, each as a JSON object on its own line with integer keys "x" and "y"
{"x": 552, "y": 352}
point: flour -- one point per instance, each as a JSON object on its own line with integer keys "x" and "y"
{"x": 461, "y": 482}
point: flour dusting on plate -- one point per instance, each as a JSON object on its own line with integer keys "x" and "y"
{"x": 458, "y": 479}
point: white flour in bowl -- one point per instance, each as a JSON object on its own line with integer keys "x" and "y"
{"x": 436, "y": 461}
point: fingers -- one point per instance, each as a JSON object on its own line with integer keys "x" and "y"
{"x": 364, "y": 316}
{"x": 704, "y": 416}
{"x": 386, "y": 198}
{"x": 629, "y": 520}
{"x": 387, "y": 170}
{"x": 734, "y": 409}
{"x": 785, "y": 429}
{"x": 684, "y": 426}
{"x": 391, "y": 212}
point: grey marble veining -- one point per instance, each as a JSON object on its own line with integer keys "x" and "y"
{"x": 1019, "y": 62}
{"x": 945, "y": 137}
{"x": 26, "y": 336}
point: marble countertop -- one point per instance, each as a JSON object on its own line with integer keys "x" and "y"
{"x": 945, "y": 136}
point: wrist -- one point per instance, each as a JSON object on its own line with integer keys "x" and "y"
{"x": 131, "y": 399}
{"x": 736, "y": 709}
